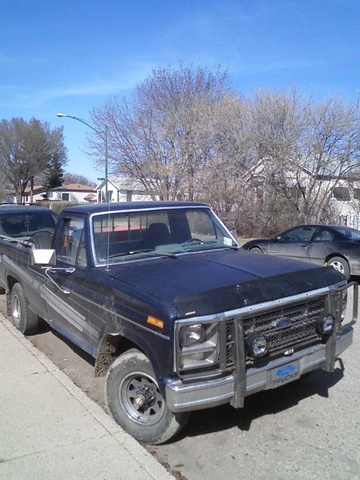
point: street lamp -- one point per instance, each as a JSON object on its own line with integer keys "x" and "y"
{"x": 103, "y": 136}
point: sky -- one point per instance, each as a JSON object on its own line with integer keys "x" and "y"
{"x": 70, "y": 56}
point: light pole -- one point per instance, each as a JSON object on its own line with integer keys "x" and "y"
{"x": 103, "y": 136}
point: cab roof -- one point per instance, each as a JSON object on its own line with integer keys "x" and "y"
{"x": 126, "y": 206}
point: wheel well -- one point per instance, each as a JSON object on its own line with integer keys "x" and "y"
{"x": 333, "y": 255}
{"x": 111, "y": 346}
{"x": 11, "y": 282}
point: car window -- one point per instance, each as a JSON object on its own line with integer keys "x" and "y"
{"x": 20, "y": 224}
{"x": 299, "y": 234}
{"x": 71, "y": 242}
{"x": 349, "y": 233}
{"x": 323, "y": 236}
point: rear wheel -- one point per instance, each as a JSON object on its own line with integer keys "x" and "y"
{"x": 341, "y": 265}
{"x": 22, "y": 317}
{"x": 135, "y": 402}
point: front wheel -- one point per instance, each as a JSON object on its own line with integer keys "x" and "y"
{"x": 22, "y": 317}
{"x": 256, "y": 250}
{"x": 135, "y": 402}
{"x": 341, "y": 265}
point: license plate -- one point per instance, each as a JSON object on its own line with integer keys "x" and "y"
{"x": 284, "y": 374}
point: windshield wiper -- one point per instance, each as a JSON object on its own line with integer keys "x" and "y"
{"x": 144, "y": 250}
{"x": 166, "y": 254}
{"x": 130, "y": 252}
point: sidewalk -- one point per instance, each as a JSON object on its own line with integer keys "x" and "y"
{"x": 49, "y": 429}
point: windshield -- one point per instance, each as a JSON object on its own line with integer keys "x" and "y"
{"x": 120, "y": 237}
{"x": 18, "y": 224}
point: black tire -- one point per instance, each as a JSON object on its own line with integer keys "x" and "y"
{"x": 341, "y": 265}
{"x": 256, "y": 250}
{"x": 22, "y": 317}
{"x": 131, "y": 379}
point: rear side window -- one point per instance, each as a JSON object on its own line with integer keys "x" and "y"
{"x": 323, "y": 236}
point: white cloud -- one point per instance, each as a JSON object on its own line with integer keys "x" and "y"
{"x": 14, "y": 96}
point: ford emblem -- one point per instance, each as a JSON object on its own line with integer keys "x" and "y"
{"x": 286, "y": 370}
{"x": 281, "y": 323}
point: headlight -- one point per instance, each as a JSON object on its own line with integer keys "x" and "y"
{"x": 325, "y": 324}
{"x": 197, "y": 345}
{"x": 191, "y": 335}
{"x": 256, "y": 345}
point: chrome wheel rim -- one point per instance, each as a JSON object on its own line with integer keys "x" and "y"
{"x": 16, "y": 311}
{"x": 338, "y": 266}
{"x": 141, "y": 399}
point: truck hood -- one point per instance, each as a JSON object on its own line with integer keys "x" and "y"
{"x": 212, "y": 282}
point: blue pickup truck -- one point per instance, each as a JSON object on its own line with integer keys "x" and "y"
{"x": 176, "y": 314}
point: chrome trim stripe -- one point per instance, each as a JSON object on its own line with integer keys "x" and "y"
{"x": 259, "y": 307}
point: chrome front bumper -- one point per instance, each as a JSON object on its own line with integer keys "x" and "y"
{"x": 182, "y": 397}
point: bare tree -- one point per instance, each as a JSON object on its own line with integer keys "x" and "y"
{"x": 26, "y": 150}
{"x": 302, "y": 150}
{"x": 224, "y": 179}
{"x": 164, "y": 135}
{"x": 331, "y": 152}
{"x": 264, "y": 163}
{"x": 77, "y": 179}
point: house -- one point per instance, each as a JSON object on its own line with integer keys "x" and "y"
{"x": 119, "y": 189}
{"x": 73, "y": 192}
{"x": 343, "y": 190}
{"x": 32, "y": 196}
{"x": 122, "y": 189}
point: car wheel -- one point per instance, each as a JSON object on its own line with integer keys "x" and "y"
{"x": 22, "y": 317}
{"x": 135, "y": 402}
{"x": 256, "y": 250}
{"x": 341, "y": 265}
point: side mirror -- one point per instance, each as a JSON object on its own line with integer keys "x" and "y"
{"x": 43, "y": 257}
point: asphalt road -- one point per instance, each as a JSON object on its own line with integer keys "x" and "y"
{"x": 309, "y": 429}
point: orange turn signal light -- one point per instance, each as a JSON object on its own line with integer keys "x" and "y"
{"x": 155, "y": 321}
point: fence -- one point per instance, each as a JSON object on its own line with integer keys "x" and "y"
{"x": 350, "y": 220}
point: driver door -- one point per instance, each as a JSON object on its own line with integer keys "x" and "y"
{"x": 64, "y": 289}
{"x": 294, "y": 243}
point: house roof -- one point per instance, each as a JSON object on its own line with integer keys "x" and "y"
{"x": 36, "y": 189}
{"x": 124, "y": 184}
{"x": 73, "y": 187}
{"x": 90, "y": 197}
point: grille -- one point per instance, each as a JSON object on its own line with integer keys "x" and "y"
{"x": 284, "y": 328}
